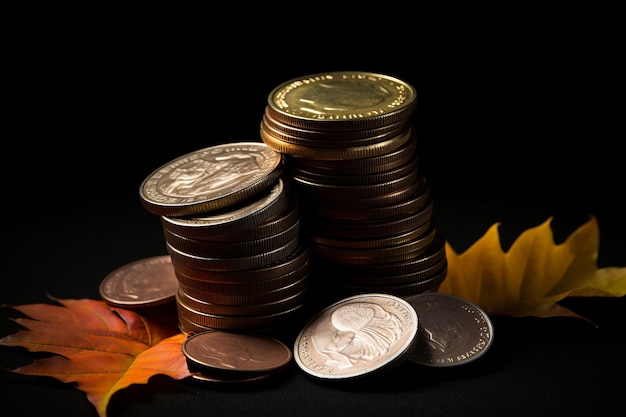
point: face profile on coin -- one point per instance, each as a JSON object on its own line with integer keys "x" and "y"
{"x": 143, "y": 283}
{"x": 356, "y": 336}
{"x": 453, "y": 331}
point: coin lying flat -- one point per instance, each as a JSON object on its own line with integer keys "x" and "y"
{"x": 357, "y": 336}
{"x": 210, "y": 179}
{"x": 143, "y": 283}
{"x": 235, "y": 356}
{"x": 453, "y": 331}
{"x": 342, "y": 100}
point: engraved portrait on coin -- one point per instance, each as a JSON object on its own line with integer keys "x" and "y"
{"x": 453, "y": 331}
{"x": 341, "y": 97}
{"x": 363, "y": 331}
{"x": 201, "y": 176}
{"x": 210, "y": 179}
{"x": 446, "y": 333}
{"x": 357, "y": 336}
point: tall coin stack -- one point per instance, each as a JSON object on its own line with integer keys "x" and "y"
{"x": 349, "y": 151}
{"x": 231, "y": 227}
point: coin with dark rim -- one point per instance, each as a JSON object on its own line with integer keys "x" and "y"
{"x": 357, "y": 336}
{"x": 453, "y": 331}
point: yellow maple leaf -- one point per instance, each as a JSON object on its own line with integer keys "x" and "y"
{"x": 99, "y": 348}
{"x": 534, "y": 275}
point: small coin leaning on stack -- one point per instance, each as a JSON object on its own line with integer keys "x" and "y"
{"x": 231, "y": 227}
{"x": 350, "y": 154}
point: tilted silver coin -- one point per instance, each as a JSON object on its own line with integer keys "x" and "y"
{"x": 453, "y": 331}
{"x": 210, "y": 179}
{"x": 146, "y": 282}
{"x": 356, "y": 336}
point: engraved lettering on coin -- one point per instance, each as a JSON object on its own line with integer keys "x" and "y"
{"x": 356, "y": 336}
{"x": 452, "y": 331}
{"x": 144, "y": 282}
{"x": 342, "y": 96}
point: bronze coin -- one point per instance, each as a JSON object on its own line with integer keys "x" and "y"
{"x": 236, "y": 353}
{"x": 143, "y": 283}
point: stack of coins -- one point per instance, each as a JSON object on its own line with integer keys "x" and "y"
{"x": 350, "y": 154}
{"x": 231, "y": 227}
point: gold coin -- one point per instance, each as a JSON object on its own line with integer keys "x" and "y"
{"x": 323, "y": 136}
{"x": 370, "y": 165}
{"x": 334, "y": 153}
{"x": 342, "y": 100}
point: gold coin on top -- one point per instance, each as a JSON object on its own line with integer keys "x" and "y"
{"x": 342, "y": 100}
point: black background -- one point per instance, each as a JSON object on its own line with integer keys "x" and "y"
{"x": 518, "y": 121}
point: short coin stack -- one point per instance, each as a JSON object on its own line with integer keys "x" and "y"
{"x": 350, "y": 154}
{"x": 231, "y": 228}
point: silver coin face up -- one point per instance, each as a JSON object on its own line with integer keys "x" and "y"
{"x": 357, "y": 336}
{"x": 210, "y": 179}
{"x": 453, "y": 331}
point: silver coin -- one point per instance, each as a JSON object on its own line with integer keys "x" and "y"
{"x": 453, "y": 331}
{"x": 356, "y": 336}
{"x": 210, "y": 179}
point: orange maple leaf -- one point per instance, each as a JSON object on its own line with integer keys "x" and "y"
{"x": 534, "y": 274}
{"x": 100, "y": 348}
